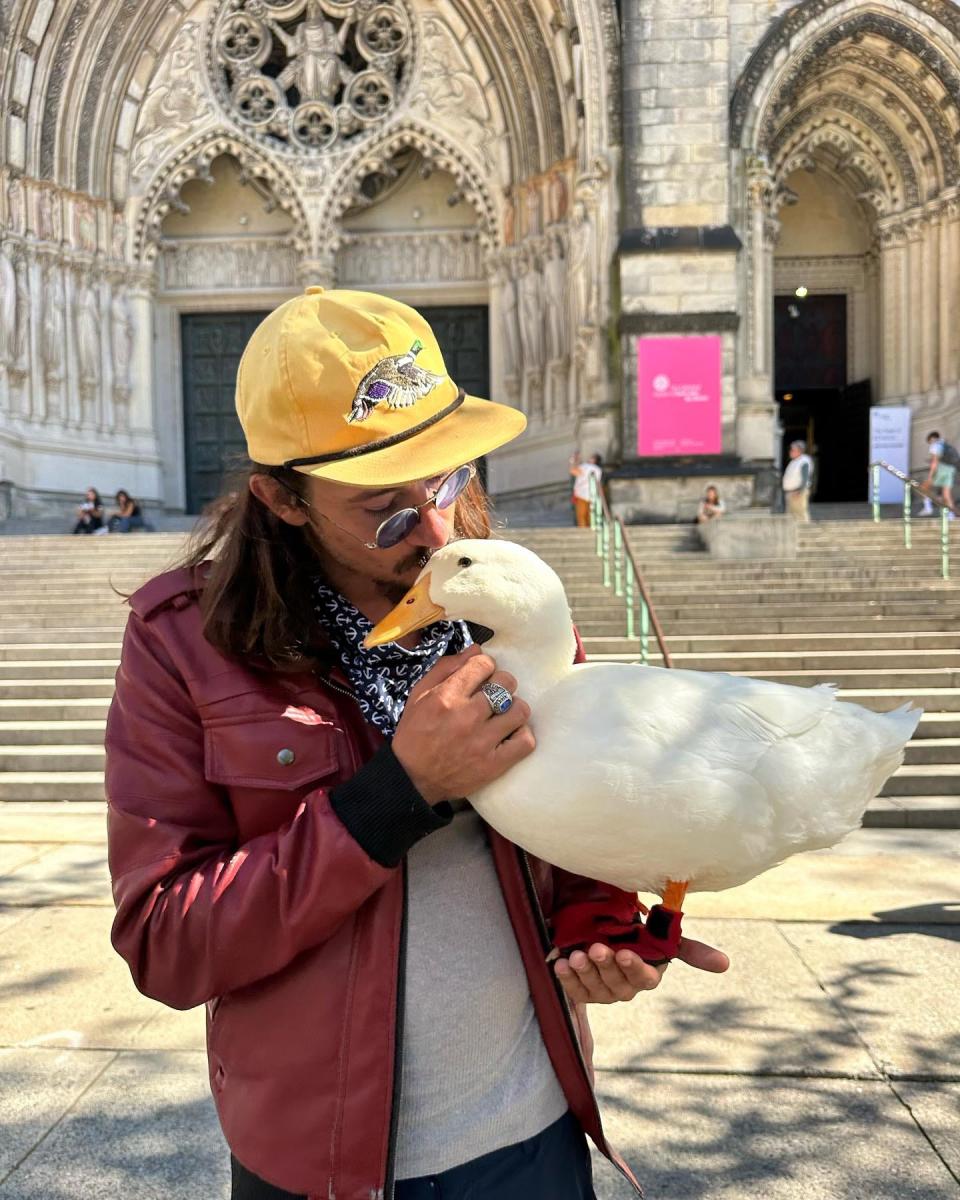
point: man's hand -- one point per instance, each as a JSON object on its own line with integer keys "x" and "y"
{"x": 604, "y": 976}
{"x": 448, "y": 740}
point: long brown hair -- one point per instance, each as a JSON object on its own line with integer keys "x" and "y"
{"x": 256, "y": 602}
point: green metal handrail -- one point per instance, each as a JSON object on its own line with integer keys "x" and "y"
{"x": 909, "y": 487}
{"x": 621, "y": 572}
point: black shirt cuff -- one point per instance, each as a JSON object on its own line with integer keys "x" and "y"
{"x": 384, "y": 811}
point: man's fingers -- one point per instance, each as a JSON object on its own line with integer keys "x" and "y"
{"x": 589, "y": 976}
{"x": 702, "y": 956}
{"x": 505, "y": 680}
{"x": 624, "y": 986}
{"x": 447, "y": 666}
{"x": 473, "y": 670}
{"x": 571, "y": 982}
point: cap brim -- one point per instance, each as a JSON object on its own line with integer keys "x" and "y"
{"x": 476, "y": 428}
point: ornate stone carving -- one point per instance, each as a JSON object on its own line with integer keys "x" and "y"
{"x": 556, "y": 281}
{"x": 101, "y": 76}
{"x": 410, "y": 258}
{"x": 449, "y": 87}
{"x": 306, "y": 74}
{"x": 49, "y": 215}
{"x": 437, "y": 150}
{"x": 193, "y": 162}
{"x": 851, "y": 29}
{"x": 238, "y": 263}
{"x": 60, "y": 61}
{"x": 176, "y": 102}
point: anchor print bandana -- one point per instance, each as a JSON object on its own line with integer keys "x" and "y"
{"x": 383, "y": 677}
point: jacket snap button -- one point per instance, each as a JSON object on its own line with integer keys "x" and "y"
{"x": 285, "y": 758}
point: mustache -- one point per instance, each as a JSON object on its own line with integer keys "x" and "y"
{"x": 418, "y": 560}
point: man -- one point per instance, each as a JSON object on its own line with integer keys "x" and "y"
{"x": 287, "y": 844}
{"x": 942, "y": 473}
{"x": 797, "y": 481}
{"x": 583, "y": 473}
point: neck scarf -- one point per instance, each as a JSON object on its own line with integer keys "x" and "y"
{"x": 382, "y": 677}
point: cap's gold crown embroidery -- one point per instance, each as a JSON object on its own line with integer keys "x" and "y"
{"x": 396, "y": 381}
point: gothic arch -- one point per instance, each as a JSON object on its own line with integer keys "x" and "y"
{"x": 433, "y": 146}
{"x": 848, "y": 64}
{"x": 193, "y": 162}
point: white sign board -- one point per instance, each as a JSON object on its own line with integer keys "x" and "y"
{"x": 890, "y": 441}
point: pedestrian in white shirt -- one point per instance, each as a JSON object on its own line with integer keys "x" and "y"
{"x": 582, "y": 473}
{"x": 797, "y": 481}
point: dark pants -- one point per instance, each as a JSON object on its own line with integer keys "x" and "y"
{"x": 554, "y": 1165}
{"x": 125, "y": 524}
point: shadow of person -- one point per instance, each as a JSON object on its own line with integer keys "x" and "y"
{"x": 935, "y": 919}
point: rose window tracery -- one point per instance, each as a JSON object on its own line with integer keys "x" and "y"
{"x": 307, "y": 74}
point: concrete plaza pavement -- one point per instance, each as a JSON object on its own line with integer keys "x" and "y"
{"x": 825, "y": 1065}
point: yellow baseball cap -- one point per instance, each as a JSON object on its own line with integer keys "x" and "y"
{"x": 351, "y": 386}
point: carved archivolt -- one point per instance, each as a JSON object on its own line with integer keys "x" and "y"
{"x": 193, "y": 162}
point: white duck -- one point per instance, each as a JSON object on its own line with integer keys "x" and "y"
{"x": 653, "y": 780}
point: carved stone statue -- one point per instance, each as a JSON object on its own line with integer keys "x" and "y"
{"x": 8, "y": 308}
{"x": 509, "y": 325}
{"x": 21, "y": 357}
{"x": 531, "y": 313}
{"x": 15, "y": 206}
{"x": 315, "y": 68}
{"x": 122, "y": 343}
{"x": 582, "y": 267}
{"x": 555, "y": 297}
{"x": 88, "y": 337}
{"x": 559, "y": 200}
{"x": 53, "y": 333}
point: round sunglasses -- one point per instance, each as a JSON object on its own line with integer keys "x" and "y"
{"x": 401, "y": 524}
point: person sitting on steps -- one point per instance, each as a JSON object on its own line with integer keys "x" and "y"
{"x": 127, "y": 517}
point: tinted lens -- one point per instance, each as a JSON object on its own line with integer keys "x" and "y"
{"x": 397, "y": 528}
{"x": 452, "y": 487}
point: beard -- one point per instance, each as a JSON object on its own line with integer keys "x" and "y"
{"x": 405, "y": 575}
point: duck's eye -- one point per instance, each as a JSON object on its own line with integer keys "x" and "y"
{"x": 465, "y": 562}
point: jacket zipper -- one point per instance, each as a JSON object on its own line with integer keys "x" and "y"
{"x": 547, "y": 946}
{"x": 398, "y": 1043}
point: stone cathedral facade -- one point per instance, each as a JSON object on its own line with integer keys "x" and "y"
{"x": 551, "y": 180}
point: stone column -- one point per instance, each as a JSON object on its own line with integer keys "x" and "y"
{"x": 916, "y": 336}
{"x": 756, "y": 409}
{"x": 929, "y": 299}
{"x": 952, "y": 266}
{"x": 947, "y": 316}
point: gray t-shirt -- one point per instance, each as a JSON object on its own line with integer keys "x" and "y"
{"x": 476, "y": 1076}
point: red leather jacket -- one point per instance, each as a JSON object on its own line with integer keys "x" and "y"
{"x": 240, "y": 883}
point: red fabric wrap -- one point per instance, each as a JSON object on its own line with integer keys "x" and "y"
{"x": 618, "y": 922}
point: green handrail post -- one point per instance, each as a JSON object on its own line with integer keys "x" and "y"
{"x": 876, "y": 491}
{"x": 945, "y": 542}
{"x": 631, "y": 625}
{"x": 644, "y": 632}
{"x": 618, "y": 559}
{"x": 907, "y": 516}
{"x": 606, "y": 553}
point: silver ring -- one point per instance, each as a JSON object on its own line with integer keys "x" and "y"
{"x": 498, "y": 698}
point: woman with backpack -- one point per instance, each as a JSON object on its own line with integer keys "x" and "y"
{"x": 943, "y": 469}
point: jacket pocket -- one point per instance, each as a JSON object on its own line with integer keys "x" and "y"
{"x": 269, "y": 751}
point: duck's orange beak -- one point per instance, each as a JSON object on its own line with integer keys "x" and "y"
{"x": 413, "y": 612}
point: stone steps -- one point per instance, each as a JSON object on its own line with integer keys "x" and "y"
{"x": 854, "y": 608}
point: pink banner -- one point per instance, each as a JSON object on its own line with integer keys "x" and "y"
{"x": 678, "y": 395}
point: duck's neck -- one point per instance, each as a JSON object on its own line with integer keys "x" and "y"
{"x": 538, "y": 656}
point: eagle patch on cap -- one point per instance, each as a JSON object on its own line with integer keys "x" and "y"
{"x": 396, "y": 381}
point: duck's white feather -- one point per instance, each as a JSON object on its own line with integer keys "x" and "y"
{"x": 640, "y": 774}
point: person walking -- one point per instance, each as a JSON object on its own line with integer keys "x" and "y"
{"x": 386, "y": 1013}
{"x": 942, "y": 473}
{"x": 583, "y": 473}
{"x": 797, "y": 481}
